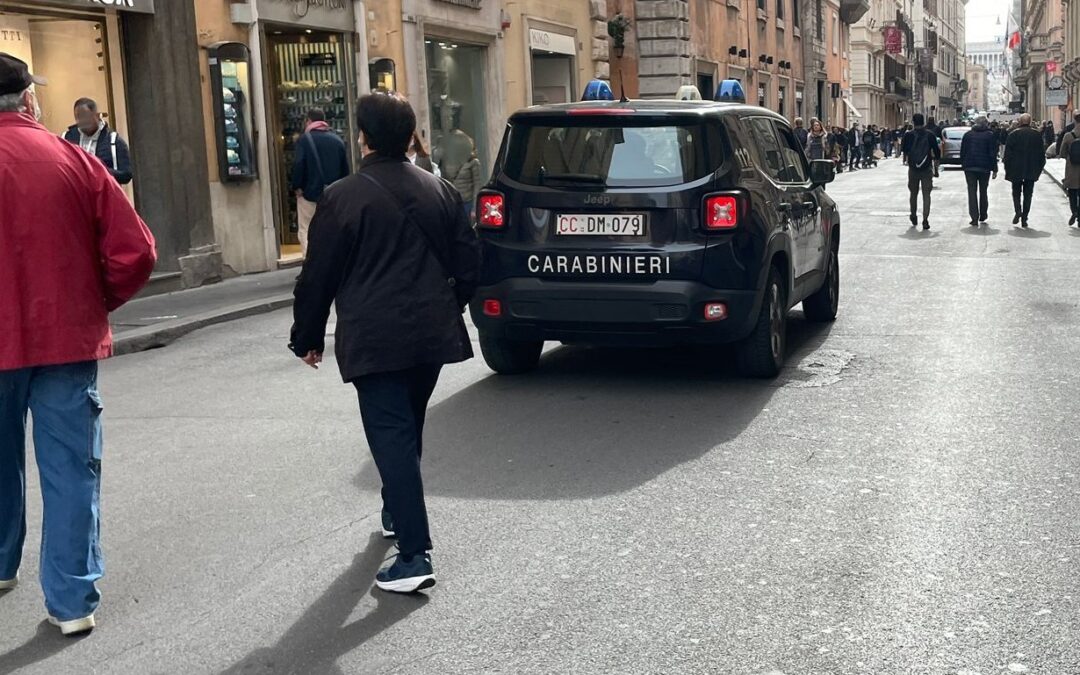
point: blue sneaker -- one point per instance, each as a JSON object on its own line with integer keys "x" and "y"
{"x": 407, "y": 576}
{"x": 388, "y": 526}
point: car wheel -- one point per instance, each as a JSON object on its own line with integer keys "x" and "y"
{"x": 823, "y": 305}
{"x": 509, "y": 357}
{"x": 761, "y": 354}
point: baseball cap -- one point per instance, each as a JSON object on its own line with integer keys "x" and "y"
{"x": 15, "y": 75}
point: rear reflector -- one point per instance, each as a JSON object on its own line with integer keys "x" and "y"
{"x": 715, "y": 311}
{"x": 721, "y": 212}
{"x": 492, "y": 308}
{"x": 491, "y": 210}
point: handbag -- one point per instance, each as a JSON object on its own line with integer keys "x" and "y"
{"x": 430, "y": 245}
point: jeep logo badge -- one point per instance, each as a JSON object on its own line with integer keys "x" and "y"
{"x": 598, "y": 200}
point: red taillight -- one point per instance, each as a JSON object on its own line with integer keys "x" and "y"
{"x": 715, "y": 311}
{"x": 721, "y": 212}
{"x": 491, "y": 210}
{"x": 492, "y": 308}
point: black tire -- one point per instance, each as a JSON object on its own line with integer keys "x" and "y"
{"x": 762, "y": 353}
{"x": 823, "y": 305}
{"x": 510, "y": 357}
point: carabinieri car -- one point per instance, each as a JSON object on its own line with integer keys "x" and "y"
{"x": 653, "y": 223}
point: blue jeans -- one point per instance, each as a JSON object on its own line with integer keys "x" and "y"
{"x": 66, "y": 410}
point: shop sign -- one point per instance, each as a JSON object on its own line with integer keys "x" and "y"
{"x": 1057, "y": 97}
{"x": 471, "y": 4}
{"x": 145, "y": 6}
{"x": 543, "y": 41}
{"x": 894, "y": 40}
{"x": 328, "y": 14}
{"x": 1051, "y": 67}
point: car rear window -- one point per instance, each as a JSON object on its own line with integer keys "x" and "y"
{"x": 613, "y": 153}
{"x": 955, "y": 134}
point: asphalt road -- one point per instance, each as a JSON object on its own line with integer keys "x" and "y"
{"x": 903, "y": 499}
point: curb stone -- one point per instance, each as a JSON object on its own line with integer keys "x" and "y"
{"x": 167, "y": 332}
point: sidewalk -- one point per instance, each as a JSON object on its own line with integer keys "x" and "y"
{"x": 157, "y": 320}
{"x": 1055, "y": 169}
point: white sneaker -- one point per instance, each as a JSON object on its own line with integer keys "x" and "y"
{"x": 74, "y": 626}
{"x": 8, "y": 584}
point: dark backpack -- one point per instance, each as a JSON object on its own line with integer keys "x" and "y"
{"x": 1074, "y": 150}
{"x": 919, "y": 156}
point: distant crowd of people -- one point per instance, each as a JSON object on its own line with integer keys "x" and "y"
{"x": 1022, "y": 144}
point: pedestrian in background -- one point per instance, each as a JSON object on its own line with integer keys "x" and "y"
{"x": 1070, "y": 151}
{"x": 321, "y": 159}
{"x": 869, "y": 142}
{"x": 392, "y": 249}
{"x": 74, "y": 250}
{"x": 1025, "y": 158}
{"x": 92, "y": 134}
{"x": 840, "y": 138}
{"x": 1048, "y": 134}
{"x": 854, "y": 141}
{"x": 420, "y": 157}
{"x": 817, "y": 141}
{"x": 801, "y": 132}
{"x": 921, "y": 151}
{"x": 978, "y": 157}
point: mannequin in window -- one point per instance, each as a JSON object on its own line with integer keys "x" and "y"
{"x": 461, "y": 167}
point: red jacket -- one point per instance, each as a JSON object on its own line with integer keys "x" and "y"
{"x": 72, "y": 249}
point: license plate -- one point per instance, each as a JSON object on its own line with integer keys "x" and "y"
{"x": 601, "y": 224}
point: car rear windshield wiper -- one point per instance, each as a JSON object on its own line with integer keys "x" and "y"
{"x": 573, "y": 177}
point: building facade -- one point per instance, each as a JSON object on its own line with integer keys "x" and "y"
{"x": 882, "y": 63}
{"x": 940, "y": 27}
{"x": 976, "y": 98}
{"x": 1071, "y": 69}
{"x": 996, "y": 59}
{"x": 1042, "y": 59}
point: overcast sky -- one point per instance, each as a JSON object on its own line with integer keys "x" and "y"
{"x": 983, "y": 17}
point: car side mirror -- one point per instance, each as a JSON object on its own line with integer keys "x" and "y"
{"x": 822, "y": 172}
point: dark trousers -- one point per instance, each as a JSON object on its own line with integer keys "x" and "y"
{"x": 978, "y": 203}
{"x": 853, "y": 157}
{"x": 1074, "y": 202}
{"x": 920, "y": 180}
{"x": 1026, "y": 187}
{"x": 393, "y": 406}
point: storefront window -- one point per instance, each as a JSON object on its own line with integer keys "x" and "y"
{"x": 455, "y": 79}
{"x": 310, "y": 70}
{"x": 71, "y": 52}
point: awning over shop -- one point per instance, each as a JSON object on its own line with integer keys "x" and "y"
{"x": 851, "y": 108}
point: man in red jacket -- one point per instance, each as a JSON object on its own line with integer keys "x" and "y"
{"x": 74, "y": 250}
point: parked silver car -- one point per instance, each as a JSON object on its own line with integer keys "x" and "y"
{"x": 951, "y": 138}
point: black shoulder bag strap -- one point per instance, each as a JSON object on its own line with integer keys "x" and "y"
{"x": 315, "y": 156}
{"x": 432, "y": 249}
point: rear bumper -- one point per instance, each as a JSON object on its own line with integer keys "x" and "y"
{"x": 662, "y": 313}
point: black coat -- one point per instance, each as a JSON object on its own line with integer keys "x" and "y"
{"x": 1025, "y": 155}
{"x": 978, "y": 150}
{"x": 108, "y": 141}
{"x": 395, "y": 307}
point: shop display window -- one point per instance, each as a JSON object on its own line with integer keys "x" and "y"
{"x": 230, "y": 82}
{"x": 455, "y": 79}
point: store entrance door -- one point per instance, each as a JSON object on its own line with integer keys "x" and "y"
{"x": 307, "y": 69}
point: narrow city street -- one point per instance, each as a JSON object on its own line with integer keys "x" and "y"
{"x": 902, "y": 499}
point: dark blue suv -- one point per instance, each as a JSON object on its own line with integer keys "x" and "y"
{"x": 653, "y": 223}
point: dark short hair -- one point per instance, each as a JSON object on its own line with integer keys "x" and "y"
{"x": 918, "y": 120}
{"x": 88, "y": 103}
{"x": 316, "y": 115}
{"x": 387, "y": 122}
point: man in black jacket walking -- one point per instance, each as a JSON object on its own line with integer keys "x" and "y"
{"x": 392, "y": 249}
{"x": 1025, "y": 158}
{"x": 978, "y": 156}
